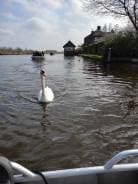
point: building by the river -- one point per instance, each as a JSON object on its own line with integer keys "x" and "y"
{"x": 97, "y": 36}
{"x": 50, "y": 51}
{"x": 69, "y": 49}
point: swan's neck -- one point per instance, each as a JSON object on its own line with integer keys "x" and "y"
{"x": 43, "y": 83}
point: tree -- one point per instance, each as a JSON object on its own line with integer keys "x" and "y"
{"x": 128, "y": 8}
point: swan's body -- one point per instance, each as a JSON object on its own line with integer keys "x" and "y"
{"x": 46, "y": 94}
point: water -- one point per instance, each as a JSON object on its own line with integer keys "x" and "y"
{"x": 94, "y": 115}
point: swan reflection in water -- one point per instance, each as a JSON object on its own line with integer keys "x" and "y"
{"x": 44, "y": 120}
{"x": 131, "y": 105}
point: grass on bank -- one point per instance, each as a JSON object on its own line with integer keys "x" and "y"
{"x": 92, "y": 57}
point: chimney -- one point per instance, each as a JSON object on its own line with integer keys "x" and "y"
{"x": 98, "y": 28}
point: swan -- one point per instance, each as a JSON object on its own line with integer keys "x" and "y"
{"x": 46, "y": 94}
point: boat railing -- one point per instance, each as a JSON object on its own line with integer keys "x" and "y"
{"x": 22, "y": 170}
{"x": 118, "y": 157}
{"x": 77, "y": 175}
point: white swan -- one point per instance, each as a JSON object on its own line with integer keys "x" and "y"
{"x": 46, "y": 94}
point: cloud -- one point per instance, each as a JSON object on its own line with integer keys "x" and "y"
{"x": 41, "y": 24}
{"x": 55, "y": 4}
{"x": 9, "y": 15}
{"x": 75, "y": 35}
{"x": 5, "y": 31}
{"x": 36, "y": 24}
{"x": 77, "y": 7}
{"x": 38, "y": 5}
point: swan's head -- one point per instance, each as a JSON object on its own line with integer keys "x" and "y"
{"x": 42, "y": 73}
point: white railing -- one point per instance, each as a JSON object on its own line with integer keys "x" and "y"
{"x": 76, "y": 175}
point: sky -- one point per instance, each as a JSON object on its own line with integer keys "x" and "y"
{"x": 46, "y": 24}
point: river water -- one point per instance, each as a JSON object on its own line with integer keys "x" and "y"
{"x": 94, "y": 114}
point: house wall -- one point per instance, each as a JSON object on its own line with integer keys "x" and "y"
{"x": 97, "y": 36}
{"x": 69, "y": 51}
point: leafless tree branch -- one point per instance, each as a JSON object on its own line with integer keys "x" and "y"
{"x": 128, "y": 8}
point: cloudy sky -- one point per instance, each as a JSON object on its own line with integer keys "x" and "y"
{"x": 46, "y": 24}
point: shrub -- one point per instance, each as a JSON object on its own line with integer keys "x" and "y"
{"x": 123, "y": 45}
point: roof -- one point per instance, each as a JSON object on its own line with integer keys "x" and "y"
{"x": 69, "y": 44}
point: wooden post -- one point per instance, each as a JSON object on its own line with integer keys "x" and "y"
{"x": 109, "y": 55}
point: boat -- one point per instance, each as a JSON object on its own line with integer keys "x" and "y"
{"x": 37, "y": 55}
{"x": 110, "y": 173}
{"x": 51, "y": 53}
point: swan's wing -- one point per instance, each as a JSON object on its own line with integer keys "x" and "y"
{"x": 49, "y": 94}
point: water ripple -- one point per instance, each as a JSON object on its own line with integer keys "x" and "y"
{"x": 93, "y": 116}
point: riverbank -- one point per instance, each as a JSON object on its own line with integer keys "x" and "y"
{"x": 119, "y": 48}
{"x": 6, "y": 52}
{"x": 15, "y": 54}
{"x": 92, "y": 57}
{"x": 114, "y": 59}
{"x": 124, "y": 60}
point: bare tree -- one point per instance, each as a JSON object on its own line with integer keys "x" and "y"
{"x": 128, "y": 8}
{"x": 104, "y": 28}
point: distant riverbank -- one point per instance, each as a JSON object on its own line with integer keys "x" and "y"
{"x": 16, "y": 51}
{"x": 19, "y": 51}
{"x": 15, "y": 54}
